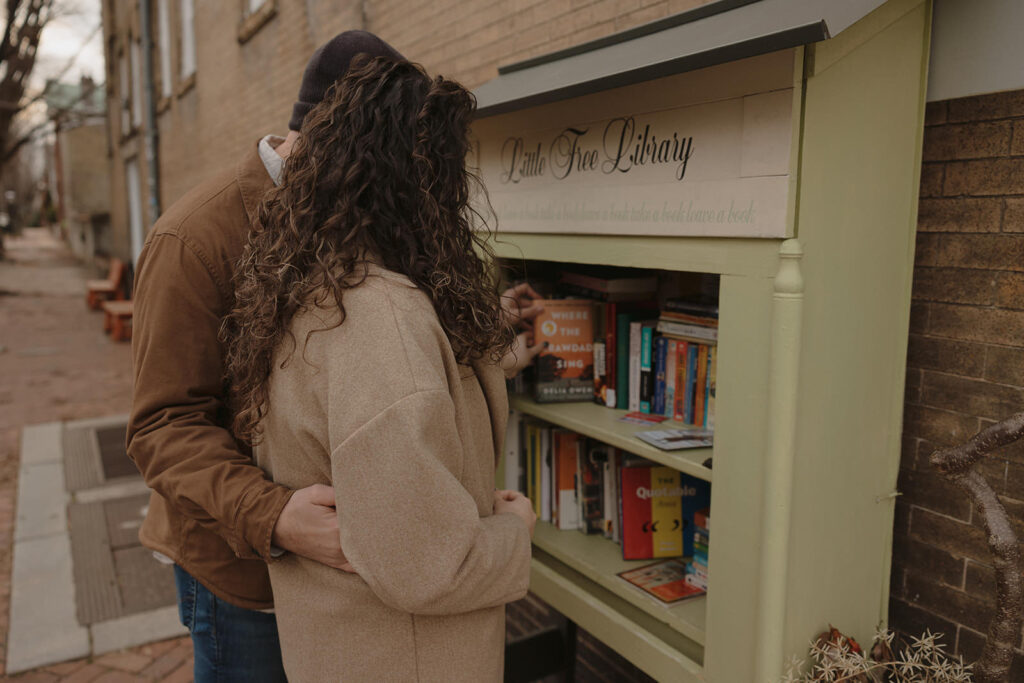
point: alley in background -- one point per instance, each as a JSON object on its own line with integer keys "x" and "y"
{"x": 57, "y": 364}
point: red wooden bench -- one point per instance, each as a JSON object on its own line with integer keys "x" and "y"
{"x": 111, "y": 289}
{"x": 117, "y": 319}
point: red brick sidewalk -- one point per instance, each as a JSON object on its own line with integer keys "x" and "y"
{"x": 57, "y": 364}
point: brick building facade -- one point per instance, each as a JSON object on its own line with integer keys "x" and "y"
{"x": 965, "y": 367}
{"x": 240, "y": 81}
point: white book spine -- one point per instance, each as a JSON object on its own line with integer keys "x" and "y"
{"x": 635, "y": 339}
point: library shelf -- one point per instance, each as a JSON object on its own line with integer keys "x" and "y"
{"x": 604, "y": 424}
{"x": 651, "y": 645}
{"x": 600, "y": 560}
{"x": 796, "y": 303}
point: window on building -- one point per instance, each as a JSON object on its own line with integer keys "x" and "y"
{"x": 188, "y": 38}
{"x": 255, "y": 14}
{"x": 136, "y": 229}
{"x": 136, "y": 69}
{"x": 163, "y": 32}
{"x": 124, "y": 93}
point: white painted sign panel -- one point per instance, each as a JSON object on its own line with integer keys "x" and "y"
{"x": 716, "y": 168}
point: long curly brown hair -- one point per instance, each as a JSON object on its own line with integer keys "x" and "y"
{"x": 379, "y": 170}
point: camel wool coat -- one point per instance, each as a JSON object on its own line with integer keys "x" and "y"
{"x": 379, "y": 408}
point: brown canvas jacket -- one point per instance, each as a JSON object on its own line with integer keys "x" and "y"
{"x": 212, "y": 510}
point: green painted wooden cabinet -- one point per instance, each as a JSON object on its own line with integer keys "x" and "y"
{"x": 812, "y": 344}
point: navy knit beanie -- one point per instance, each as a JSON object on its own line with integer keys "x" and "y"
{"x": 330, "y": 63}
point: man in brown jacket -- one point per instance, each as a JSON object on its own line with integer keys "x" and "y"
{"x": 213, "y": 512}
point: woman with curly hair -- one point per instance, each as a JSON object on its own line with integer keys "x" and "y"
{"x": 365, "y": 352}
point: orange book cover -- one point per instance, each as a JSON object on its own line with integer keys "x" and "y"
{"x": 565, "y": 369}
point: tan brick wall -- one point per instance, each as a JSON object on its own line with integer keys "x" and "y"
{"x": 965, "y": 364}
{"x": 244, "y": 91}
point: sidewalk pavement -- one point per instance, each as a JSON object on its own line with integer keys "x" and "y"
{"x": 57, "y": 364}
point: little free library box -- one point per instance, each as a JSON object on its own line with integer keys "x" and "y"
{"x": 772, "y": 149}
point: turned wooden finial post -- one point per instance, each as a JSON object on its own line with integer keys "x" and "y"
{"x": 957, "y": 464}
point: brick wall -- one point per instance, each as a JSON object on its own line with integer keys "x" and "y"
{"x": 965, "y": 364}
{"x": 594, "y": 663}
{"x": 243, "y": 91}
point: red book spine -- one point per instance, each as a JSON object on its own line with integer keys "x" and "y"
{"x": 636, "y": 514}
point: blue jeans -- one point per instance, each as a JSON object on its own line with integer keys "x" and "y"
{"x": 230, "y": 643}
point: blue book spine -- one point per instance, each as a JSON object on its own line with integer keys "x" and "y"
{"x": 696, "y": 496}
{"x": 691, "y": 381}
{"x": 660, "y": 361}
{"x": 707, "y": 386}
{"x": 646, "y": 367}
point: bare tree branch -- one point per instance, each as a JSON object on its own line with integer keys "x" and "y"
{"x": 34, "y": 131}
{"x": 24, "y": 104}
{"x": 957, "y": 463}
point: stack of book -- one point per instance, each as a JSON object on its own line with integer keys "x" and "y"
{"x": 682, "y": 363}
{"x": 697, "y": 570}
{"x": 611, "y": 342}
{"x": 579, "y": 483}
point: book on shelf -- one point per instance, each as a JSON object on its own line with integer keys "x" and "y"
{"x": 709, "y": 420}
{"x": 658, "y": 509}
{"x": 610, "y": 480}
{"x": 700, "y": 385}
{"x": 610, "y": 337}
{"x": 565, "y": 368}
{"x": 646, "y": 367}
{"x": 702, "y": 519}
{"x": 686, "y": 318}
{"x": 652, "y": 524}
{"x": 566, "y": 453}
{"x": 671, "y": 361}
{"x": 688, "y": 331}
{"x": 692, "y": 352}
{"x": 660, "y": 353}
{"x": 694, "y": 308}
{"x": 623, "y": 333}
{"x": 619, "y": 350}
{"x": 633, "y": 353}
{"x": 698, "y": 582}
{"x": 697, "y": 569}
{"x": 589, "y": 471}
{"x": 611, "y": 283}
{"x": 678, "y": 439}
{"x": 600, "y": 374}
{"x": 666, "y": 580}
{"x": 545, "y": 474}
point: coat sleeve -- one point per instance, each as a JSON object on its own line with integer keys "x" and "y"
{"x": 176, "y": 433}
{"x": 410, "y": 528}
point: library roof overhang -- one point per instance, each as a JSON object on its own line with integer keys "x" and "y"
{"x": 721, "y": 31}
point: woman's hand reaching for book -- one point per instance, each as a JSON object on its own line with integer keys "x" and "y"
{"x": 520, "y": 306}
{"x": 517, "y": 504}
{"x": 521, "y": 354}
